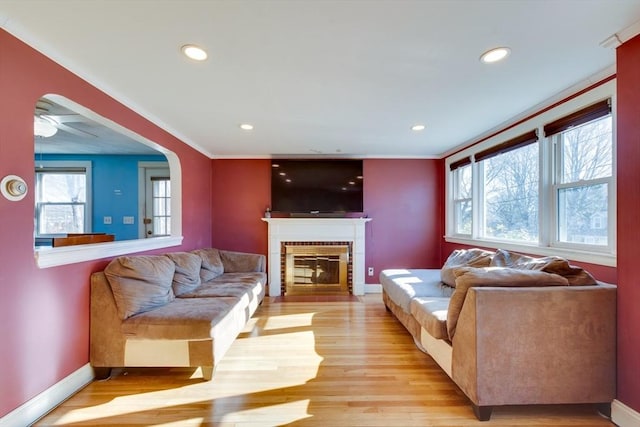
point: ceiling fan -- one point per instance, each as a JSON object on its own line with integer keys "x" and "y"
{"x": 47, "y": 123}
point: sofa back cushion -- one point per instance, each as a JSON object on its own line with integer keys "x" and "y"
{"x": 212, "y": 266}
{"x": 463, "y": 258}
{"x": 467, "y": 277}
{"x": 187, "y": 275}
{"x": 576, "y": 276}
{"x": 140, "y": 283}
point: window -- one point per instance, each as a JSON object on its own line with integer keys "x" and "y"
{"x": 161, "y": 194}
{"x": 584, "y": 178}
{"x": 462, "y": 196}
{"x": 510, "y": 195}
{"x": 545, "y": 186}
{"x": 62, "y": 191}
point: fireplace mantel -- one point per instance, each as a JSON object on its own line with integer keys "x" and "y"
{"x": 316, "y": 230}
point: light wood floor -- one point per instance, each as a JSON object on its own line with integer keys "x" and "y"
{"x": 304, "y": 364}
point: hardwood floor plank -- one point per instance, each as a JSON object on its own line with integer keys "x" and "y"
{"x": 306, "y": 363}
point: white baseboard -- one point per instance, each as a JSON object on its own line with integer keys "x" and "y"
{"x": 624, "y": 416}
{"x": 372, "y": 289}
{"x": 30, "y": 411}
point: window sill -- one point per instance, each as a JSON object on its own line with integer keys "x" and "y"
{"x": 598, "y": 258}
{"x": 51, "y": 257}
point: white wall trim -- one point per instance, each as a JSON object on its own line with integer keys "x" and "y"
{"x": 51, "y": 257}
{"x": 35, "y": 408}
{"x": 372, "y": 288}
{"x": 624, "y": 416}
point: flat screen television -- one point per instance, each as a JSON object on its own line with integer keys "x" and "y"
{"x": 315, "y": 187}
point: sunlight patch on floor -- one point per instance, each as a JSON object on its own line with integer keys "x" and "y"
{"x": 195, "y": 422}
{"x": 287, "y": 321}
{"x": 275, "y": 414}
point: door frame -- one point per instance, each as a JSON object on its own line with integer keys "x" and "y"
{"x": 142, "y": 182}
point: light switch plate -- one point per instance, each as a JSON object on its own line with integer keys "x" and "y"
{"x": 106, "y": 220}
{"x": 127, "y": 220}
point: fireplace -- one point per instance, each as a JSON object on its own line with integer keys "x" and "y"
{"x": 316, "y": 267}
{"x": 324, "y": 232}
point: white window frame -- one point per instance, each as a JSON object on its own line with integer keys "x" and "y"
{"x": 457, "y": 200}
{"x": 555, "y": 142}
{"x": 547, "y": 217}
{"x": 62, "y": 164}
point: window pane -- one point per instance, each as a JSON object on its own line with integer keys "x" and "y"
{"x": 463, "y": 176}
{"x": 587, "y": 151}
{"x": 582, "y": 213}
{"x": 158, "y": 207}
{"x": 63, "y": 187}
{"x": 463, "y": 216}
{"x": 55, "y": 219}
{"x": 511, "y": 195}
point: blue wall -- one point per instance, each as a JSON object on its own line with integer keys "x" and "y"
{"x": 114, "y": 190}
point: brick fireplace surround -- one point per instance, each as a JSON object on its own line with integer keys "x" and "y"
{"x": 316, "y": 231}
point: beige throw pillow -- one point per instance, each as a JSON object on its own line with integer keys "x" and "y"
{"x": 463, "y": 258}
{"x": 140, "y": 283}
{"x": 187, "y": 275}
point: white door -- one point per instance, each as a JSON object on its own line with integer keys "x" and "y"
{"x": 155, "y": 201}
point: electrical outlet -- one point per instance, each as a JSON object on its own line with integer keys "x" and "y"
{"x": 106, "y": 220}
{"x": 370, "y": 271}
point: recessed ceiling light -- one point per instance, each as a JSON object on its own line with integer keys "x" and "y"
{"x": 495, "y": 55}
{"x": 194, "y": 52}
{"x": 417, "y": 127}
{"x": 275, "y": 165}
{"x": 246, "y": 126}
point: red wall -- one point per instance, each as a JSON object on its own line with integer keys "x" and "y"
{"x": 44, "y": 313}
{"x": 404, "y": 200}
{"x": 241, "y": 193}
{"x": 628, "y": 88}
{"x": 401, "y": 196}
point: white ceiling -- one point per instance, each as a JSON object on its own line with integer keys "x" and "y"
{"x": 326, "y": 77}
{"x": 78, "y": 134}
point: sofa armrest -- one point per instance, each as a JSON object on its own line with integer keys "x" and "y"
{"x": 537, "y": 345}
{"x": 242, "y": 262}
{"x": 106, "y": 343}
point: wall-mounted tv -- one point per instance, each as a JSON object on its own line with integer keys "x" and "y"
{"x": 316, "y": 186}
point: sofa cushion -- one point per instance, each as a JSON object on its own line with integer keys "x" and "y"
{"x": 187, "y": 275}
{"x": 431, "y": 314}
{"x": 184, "y": 318}
{"x": 551, "y": 264}
{"x": 239, "y": 262}
{"x": 231, "y": 284}
{"x": 402, "y": 285}
{"x": 468, "y": 277}
{"x": 140, "y": 283}
{"x": 211, "y": 263}
{"x": 463, "y": 258}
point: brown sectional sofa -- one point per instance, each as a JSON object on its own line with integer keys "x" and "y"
{"x": 542, "y": 338}
{"x": 178, "y": 309}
